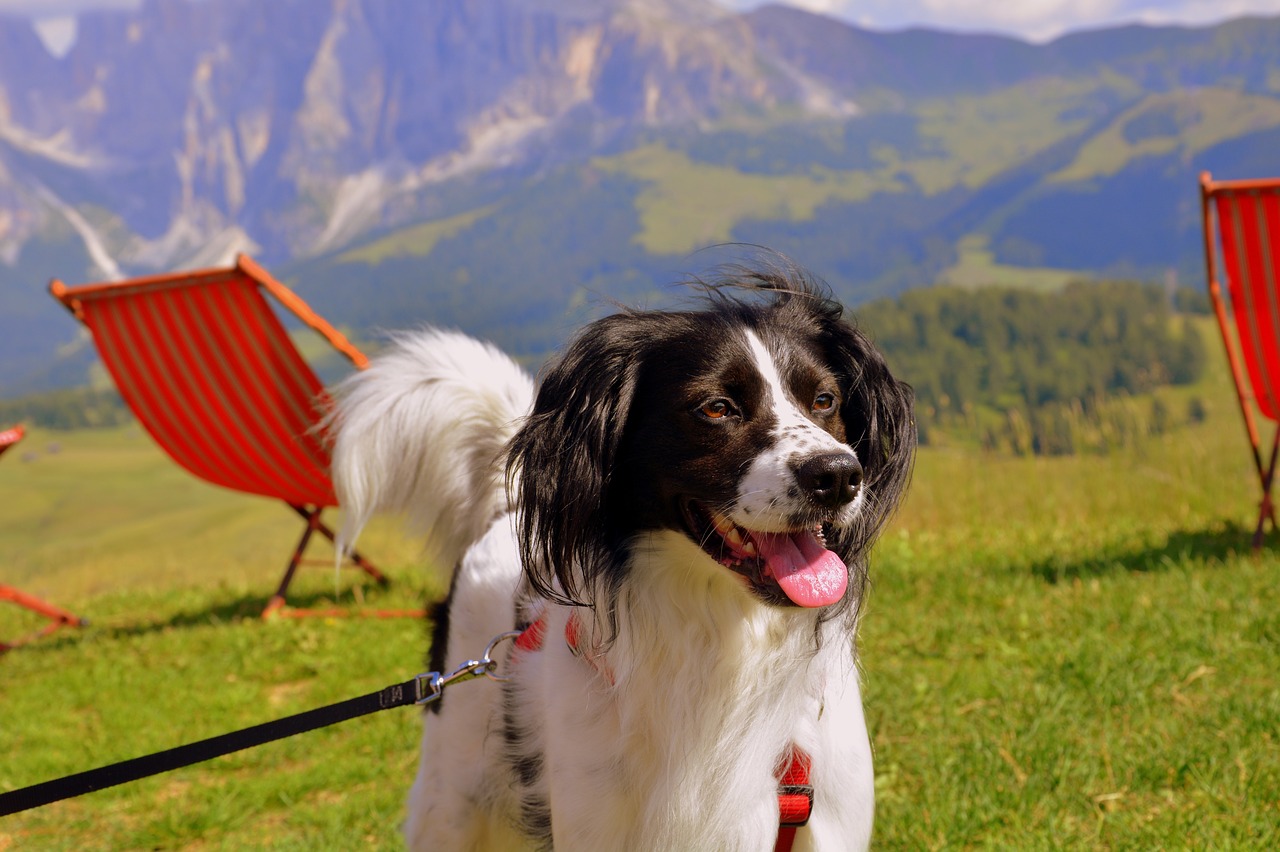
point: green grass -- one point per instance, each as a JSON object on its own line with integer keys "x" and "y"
{"x": 1059, "y": 653}
{"x": 1076, "y": 652}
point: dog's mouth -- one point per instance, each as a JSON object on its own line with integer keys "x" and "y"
{"x": 787, "y": 568}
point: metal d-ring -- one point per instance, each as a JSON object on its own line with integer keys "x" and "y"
{"x": 491, "y": 665}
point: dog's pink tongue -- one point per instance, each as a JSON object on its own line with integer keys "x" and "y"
{"x": 808, "y": 573}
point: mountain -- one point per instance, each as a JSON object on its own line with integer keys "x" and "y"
{"x": 512, "y": 166}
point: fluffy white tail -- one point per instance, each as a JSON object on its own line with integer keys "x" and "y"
{"x": 421, "y": 433}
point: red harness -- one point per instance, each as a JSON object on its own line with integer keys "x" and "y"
{"x": 795, "y": 792}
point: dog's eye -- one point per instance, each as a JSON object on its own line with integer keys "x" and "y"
{"x": 717, "y": 409}
{"x": 824, "y": 402}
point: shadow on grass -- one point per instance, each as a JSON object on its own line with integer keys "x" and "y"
{"x": 222, "y": 607}
{"x": 1220, "y": 543}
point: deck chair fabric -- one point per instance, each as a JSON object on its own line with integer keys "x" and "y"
{"x": 207, "y": 367}
{"x": 1241, "y": 222}
{"x": 10, "y": 436}
{"x": 58, "y": 618}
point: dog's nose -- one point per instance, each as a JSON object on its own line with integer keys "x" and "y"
{"x": 831, "y": 480}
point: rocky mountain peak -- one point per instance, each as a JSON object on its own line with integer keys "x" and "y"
{"x": 297, "y": 121}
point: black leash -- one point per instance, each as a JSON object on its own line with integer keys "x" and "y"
{"x": 422, "y": 689}
{"x": 185, "y": 755}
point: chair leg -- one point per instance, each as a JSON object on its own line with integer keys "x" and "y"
{"x": 48, "y": 610}
{"x": 1259, "y": 532}
{"x": 58, "y": 617}
{"x": 1266, "y": 507}
{"x": 1266, "y": 512}
{"x": 277, "y": 604}
{"x": 354, "y": 555}
{"x": 312, "y": 517}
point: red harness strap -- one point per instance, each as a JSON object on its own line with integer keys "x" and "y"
{"x": 795, "y": 799}
{"x": 795, "y": 792}
{"x": 530, "y": 639}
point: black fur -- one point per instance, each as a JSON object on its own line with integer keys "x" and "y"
{"x": 527, "y": 765}
{"x": 438, "y": 655}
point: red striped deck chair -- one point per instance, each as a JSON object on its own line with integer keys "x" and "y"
{"x": 1242, "y": 249}
{"x": 58, "y": 618}
{"x": 207, "y": 367}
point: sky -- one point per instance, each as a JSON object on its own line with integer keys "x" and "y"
{"x": 1033, "y": 20}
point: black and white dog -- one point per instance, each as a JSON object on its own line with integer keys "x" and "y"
{"x": 680, "y": 515}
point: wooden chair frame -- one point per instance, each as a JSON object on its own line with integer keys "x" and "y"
{"x": 58, "y": 618}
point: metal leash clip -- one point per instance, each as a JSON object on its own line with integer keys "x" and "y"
{"x": 430, "y": 685}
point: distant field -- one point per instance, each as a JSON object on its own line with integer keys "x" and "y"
{"x": 976, "y": 266}
{"x": 1059, "y": 653}
{"x": 106, "y": 513}
{"x": 687, "y": 205}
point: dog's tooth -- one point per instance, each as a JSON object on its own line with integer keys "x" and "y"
{"x": 734, "y": 538}
{"x": 749, "y": 547}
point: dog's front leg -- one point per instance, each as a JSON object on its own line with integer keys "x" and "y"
{"x": 842, "y": 775}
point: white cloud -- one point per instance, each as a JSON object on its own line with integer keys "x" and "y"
{"x": 55, "y": 20}
{"x": 1037, "y": 20}
{"x": 58, "y": 33}
{"x": 1034, "y": 20}
{"x": 1201, "y": 11}
{"x": 822, "y": 7}
{"x": 60, "y": 8}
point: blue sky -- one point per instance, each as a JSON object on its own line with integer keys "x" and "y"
{"x": 1035, "y": 20}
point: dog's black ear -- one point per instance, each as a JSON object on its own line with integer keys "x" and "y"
{"x": 561, "y": 461}
{"x": 878, "y": 413}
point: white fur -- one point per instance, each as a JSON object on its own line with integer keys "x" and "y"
{"x": 421, "y": 433}
{"x": 673, "y": 740}
{"x": 454, "y": 803}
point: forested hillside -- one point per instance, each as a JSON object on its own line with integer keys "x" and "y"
{"x": 1037, "y": 372}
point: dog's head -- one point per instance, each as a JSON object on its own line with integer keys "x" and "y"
{"x": 764, "y": 428}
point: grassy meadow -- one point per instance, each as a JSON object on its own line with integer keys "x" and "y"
{"x": 1074, "y": 652}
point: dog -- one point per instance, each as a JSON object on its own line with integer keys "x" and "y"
{"x": 678, "y": 517}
